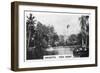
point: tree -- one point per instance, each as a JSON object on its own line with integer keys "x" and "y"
{"x": 30, "y": 30}
{"x": 72, "y": 40}
{"x": 84, "y": 22}
{"x": 41, "y": 35}
{"x": 61, "y": 40}
{"x": 38, "y": 37}
{"x": 47, "y": 34}
{"x": 79, "y": 38}
{"x": 30, "y": 34}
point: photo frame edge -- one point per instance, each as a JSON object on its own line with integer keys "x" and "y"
{"x": 14, "y": 36}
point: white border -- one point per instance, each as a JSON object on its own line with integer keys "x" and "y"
{"x": 69, "y": 61}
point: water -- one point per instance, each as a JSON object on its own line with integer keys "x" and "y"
{"x": 60, "y": 50}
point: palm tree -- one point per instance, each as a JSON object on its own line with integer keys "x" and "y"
{"x": 30, "y": 28}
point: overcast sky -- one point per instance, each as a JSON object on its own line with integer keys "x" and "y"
{"x": 60, "y": 21}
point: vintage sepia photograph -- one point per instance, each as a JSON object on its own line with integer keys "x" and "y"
{"x": 56, "y": 33}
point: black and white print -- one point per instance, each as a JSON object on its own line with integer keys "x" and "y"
{"x": 55, "y": 33}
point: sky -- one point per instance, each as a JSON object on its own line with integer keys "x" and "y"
{"x": 64, "y": 23}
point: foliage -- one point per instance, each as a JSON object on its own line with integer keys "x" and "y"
{"x": 84, "y": 22}
{"x": 38, "y": 38}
